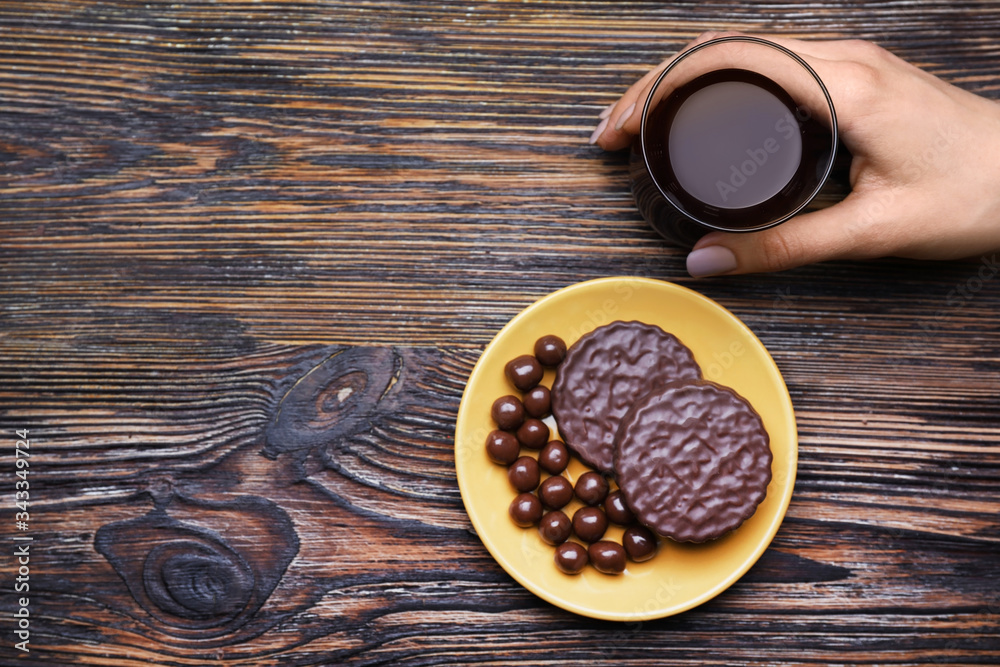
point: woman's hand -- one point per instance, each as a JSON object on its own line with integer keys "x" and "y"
{"x": 925, "y": 175}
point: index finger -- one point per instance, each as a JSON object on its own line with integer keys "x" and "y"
{"x": 623, "y": 121}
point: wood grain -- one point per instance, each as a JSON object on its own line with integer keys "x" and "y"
{"x": 251, "y": 251}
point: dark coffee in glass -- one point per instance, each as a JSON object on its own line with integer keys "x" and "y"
{"x": 738, "y": 135}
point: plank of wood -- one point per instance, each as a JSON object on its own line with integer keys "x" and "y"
{"x": 250, "y": 252}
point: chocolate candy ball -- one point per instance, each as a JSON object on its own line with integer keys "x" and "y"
{"x": 591, "y": 488}
{"x": 550, "y": 350}
{"x": 524, "y": 372}
{"x": 533, "y": 433}
{"x": 607, "y": 557}
{"x": 538, "y": 402}
{"x": 571, "y": 557}
{"x": 524, "y": 474}
{"x": 639, "y": 543}
{"x": 555, "y": 492}
{"x": 508, "y": 412}
{"x": 526, "y": 510}
{"x": 502, "y": 447}
{"x": 616, "y": 509}
{"x": 554, "y": 457}
{"x": 555, "y": 527}
{"x": 590, "y": 523}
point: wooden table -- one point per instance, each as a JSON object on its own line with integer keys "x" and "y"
{"x": 217, "y": 218}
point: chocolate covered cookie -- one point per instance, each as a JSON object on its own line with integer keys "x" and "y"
{"x": 602, "y": 375}
{"x": 693, "y": 460}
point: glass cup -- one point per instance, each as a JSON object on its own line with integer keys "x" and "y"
{"x": 738, "y": 134}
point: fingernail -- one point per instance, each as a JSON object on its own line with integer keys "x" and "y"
{"x": 625, "y": 116}
{"x": 598, "y": 131}
{"x": 710, "y": 261}
{"x": 607, "y": 110}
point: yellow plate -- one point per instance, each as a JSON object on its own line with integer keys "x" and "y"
{"x": 680, "y": 576}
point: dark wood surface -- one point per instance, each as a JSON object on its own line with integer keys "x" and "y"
{"x": 215, "y": 217}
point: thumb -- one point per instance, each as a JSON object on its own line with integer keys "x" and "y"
{"x": 837, "y": 232}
